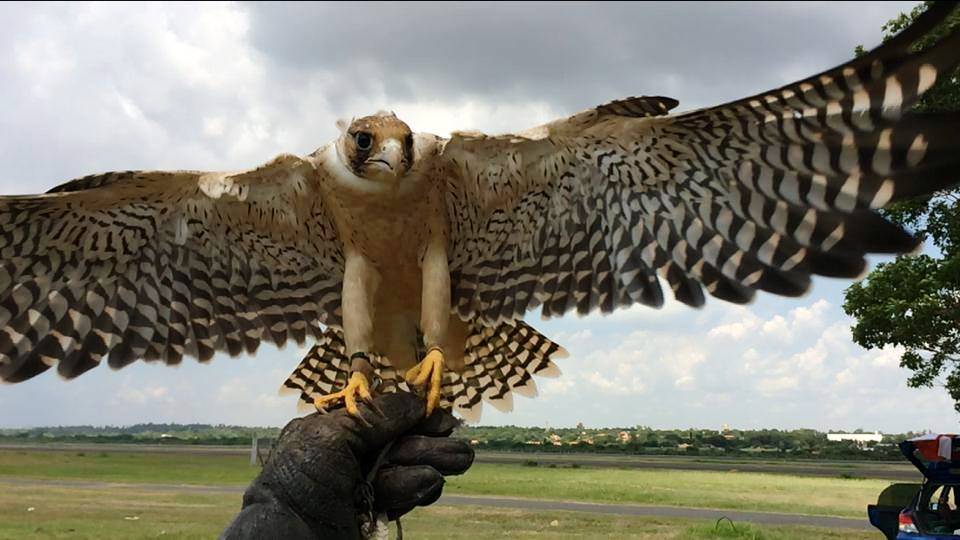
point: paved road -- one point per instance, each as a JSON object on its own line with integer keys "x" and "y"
{"x": 766, "y": 518}
{"x": 903, "y": 472}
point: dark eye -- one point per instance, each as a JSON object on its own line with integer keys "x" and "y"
{"x": 364, "y": 140}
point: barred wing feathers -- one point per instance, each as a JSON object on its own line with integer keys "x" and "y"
{"x": 162, "y": 265}
{"x": 758, "y": 194}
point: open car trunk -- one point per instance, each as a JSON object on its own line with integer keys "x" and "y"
{"x": 936, "y": 511}
{"x": 885, "y": 514}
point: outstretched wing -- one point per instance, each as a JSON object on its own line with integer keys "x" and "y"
{"x": 760, "y": 193}
{"x": 161, "y": 265}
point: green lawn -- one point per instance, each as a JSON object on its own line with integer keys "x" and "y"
{"x": 131, "y": 513}
{"x": 443, "y": 522}
{"x": 138, "y": 512}
{"x": 111, "y": 514}
{"x": 702, "y": 489}
{"x": 127, "y": 467}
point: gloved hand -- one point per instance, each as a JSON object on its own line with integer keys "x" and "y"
{"x": 315, "y": 483}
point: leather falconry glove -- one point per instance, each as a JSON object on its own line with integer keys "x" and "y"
{"x": 331, "y": 473}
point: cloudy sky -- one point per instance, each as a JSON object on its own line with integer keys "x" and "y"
{"x": 91, "y": 88}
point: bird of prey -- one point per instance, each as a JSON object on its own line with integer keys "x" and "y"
{"x": 411, "y": 259}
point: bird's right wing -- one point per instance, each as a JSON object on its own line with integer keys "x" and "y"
{"x": 160, "y": 265}
{"x": 757, "y": 194}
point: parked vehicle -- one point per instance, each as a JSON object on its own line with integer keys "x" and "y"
{"x": 929, "y": 510}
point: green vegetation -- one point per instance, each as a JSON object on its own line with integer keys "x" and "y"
{"x": 699, "y": 489}
{"x": 642, "y": 440}
{"x": 442, "y": 522}
{"x": 112, "y": 514}
{"x": 176, "y": 434}
{"x": 914, "y": 302}
{"x": 173, "y": 468}
{"x": 130, "y": 513}
{"x": 142, "y": 508}
{"x": 637, "y": 440}
{"x": 703, "y": 489}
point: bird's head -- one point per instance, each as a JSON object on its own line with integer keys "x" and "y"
{"x": 377, "y": 147}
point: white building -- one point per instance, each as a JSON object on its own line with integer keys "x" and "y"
{"x": 859, "y": 438}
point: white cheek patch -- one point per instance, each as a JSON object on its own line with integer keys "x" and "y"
{"x": 344, "y": 176}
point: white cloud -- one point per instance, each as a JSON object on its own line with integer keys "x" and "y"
{"x": 556, "y": 387}
{"x": 639, "y": 314}
{"x": 845, "y": 377}
{"x": 233, "y": 391}
{"x": 776, "y": 328}
{"x": 734, "y": 330}
{"x": 618, "y": 385}
{"x": 809, "y": 316}
{"x": 887, "y": 357}
{"x": 776, "y": 386}
{"x": 724, "y": 368}
{"x": 442, "y": 118}
{"x": 142, "y": 396}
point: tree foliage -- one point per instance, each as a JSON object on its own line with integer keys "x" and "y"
{"x": 914, "y": 301}
{"x": 628, "y": 440}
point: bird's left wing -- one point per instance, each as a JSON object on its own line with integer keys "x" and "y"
{"x": 583, "y": 213}
{"x": 161, "y": 265}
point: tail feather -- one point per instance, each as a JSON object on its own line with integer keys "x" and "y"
{"x": 323, "y": 371}
{"x": 498, "y": 361}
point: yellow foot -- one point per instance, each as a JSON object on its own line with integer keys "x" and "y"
{"x": 357, "y": 386}
{"x": 430, "y": 369}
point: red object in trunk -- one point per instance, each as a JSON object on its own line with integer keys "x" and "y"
{"x": 929, "y": 446}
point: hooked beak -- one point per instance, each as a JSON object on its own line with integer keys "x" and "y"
{"x": 389, "y": 159}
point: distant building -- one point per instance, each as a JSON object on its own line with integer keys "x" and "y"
{"x": 861, "y": 439}
{"x": 623, "y": 437}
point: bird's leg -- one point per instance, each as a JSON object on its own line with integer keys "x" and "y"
{"x": 434, "y": 319}
{"x": 360, "y": 282}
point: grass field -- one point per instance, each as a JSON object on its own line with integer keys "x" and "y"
{"x": 702, "y": 489}
{"x": 129, "y": 512}
{"x": 699, "y": 489}
{"x": 128, "y": 467}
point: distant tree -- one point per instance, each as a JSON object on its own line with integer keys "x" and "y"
{"x": 914, "y": 301}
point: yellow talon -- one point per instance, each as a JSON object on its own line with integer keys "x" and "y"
{"x": 430, "y": 369}
{"x": 357, "y": 386}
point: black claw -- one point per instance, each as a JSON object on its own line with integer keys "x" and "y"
{"x": 374, "y": 407}
{"x": 363, "y": 420}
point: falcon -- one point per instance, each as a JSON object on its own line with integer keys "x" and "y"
{"x": 411, "y": 259}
